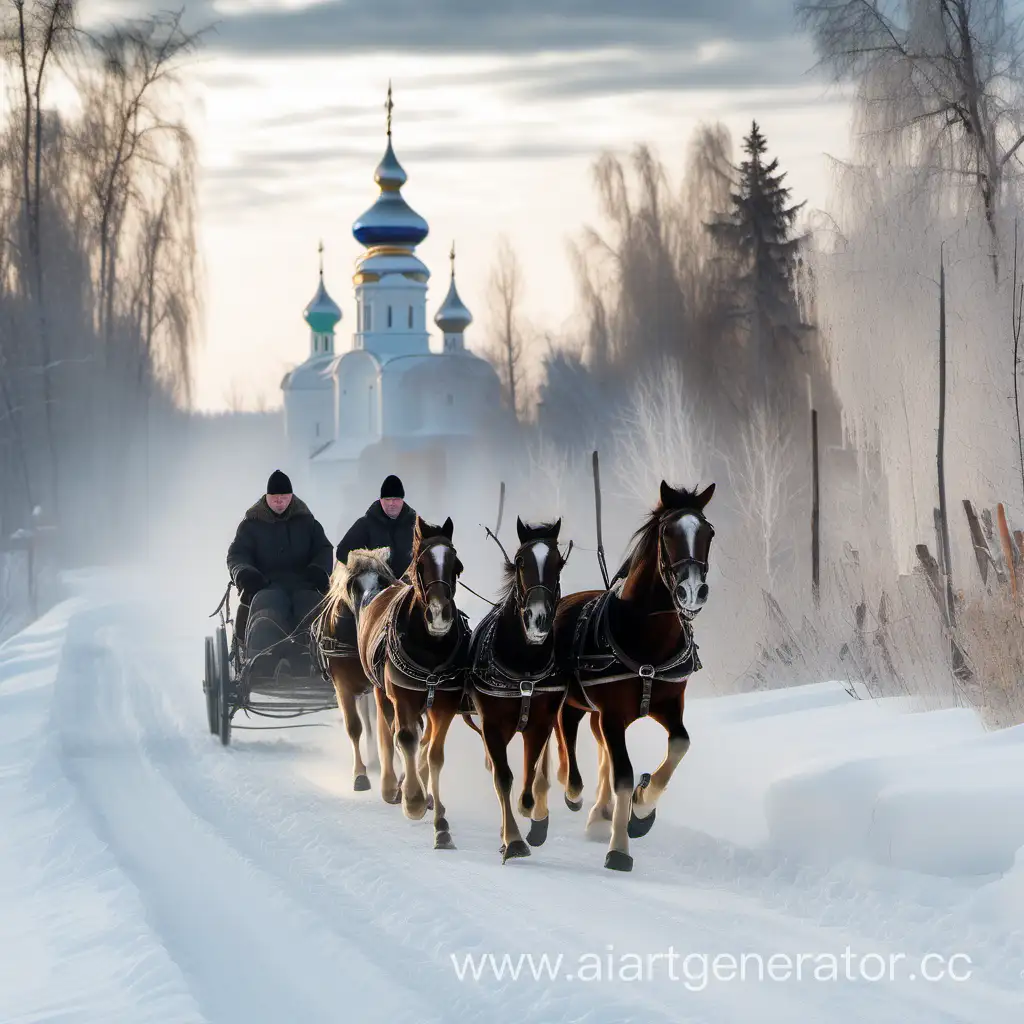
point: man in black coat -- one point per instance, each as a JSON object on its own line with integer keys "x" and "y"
{"x": 280, "y": 561}
{"x": 388, "y": 523}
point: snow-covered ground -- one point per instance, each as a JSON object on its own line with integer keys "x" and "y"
{"x": 817, "y": 859}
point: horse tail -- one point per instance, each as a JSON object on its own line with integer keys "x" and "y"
{"x": 468, "y": 719}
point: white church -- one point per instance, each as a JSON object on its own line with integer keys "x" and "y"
{"x": 391, "y": 403}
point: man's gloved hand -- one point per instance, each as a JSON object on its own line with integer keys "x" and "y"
{"x": 320, "y": 580}
{"x": 249, "y": 580}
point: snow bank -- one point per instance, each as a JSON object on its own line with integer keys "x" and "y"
{"x": 817, "y": 774}
{"x": 75, "y": 942}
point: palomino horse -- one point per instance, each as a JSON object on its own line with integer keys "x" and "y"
{"x": 512, "y": 657}
{"x": 627, "y": 653}
{"x": 354, "y": 583}
{"x": 412, "y": 644}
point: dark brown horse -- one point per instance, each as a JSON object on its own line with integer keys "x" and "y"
{"x": 354, "y": 584}
{"x": 626, "y": 654}
{"x": 512, "y": 657}
{"x": 412, "y": 643}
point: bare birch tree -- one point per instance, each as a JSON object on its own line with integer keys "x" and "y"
{"x": 34, "y": 32}
{"x": 506, "y": 296}
{"x": 939, "y": 86}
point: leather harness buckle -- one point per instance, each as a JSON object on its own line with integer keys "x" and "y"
{"x": 646, "y": 672}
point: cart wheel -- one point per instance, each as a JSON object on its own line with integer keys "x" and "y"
{"x": 224, "y": 687}
{"x": 210, "y": 689}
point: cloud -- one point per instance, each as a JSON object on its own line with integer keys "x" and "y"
{"x": 468, "y": 26}
{"x": 546, "y": 48}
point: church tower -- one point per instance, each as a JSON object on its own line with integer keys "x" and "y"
{"x": 309, "y": 388}
{"x": 453, "y": 317}
{"x": 390, "y": 279}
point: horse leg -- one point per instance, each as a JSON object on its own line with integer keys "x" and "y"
{"x": 386, "y": 747}
{"x": 354, "y": 727}
{"x": 651, "y": 787}
{"x": 438, "y": 722}
{"x": 536, "y": 741}
{"x": 602, "y": 809}
{"x": 407, "y": 717}
{"x": 421, "y": 761}
{"x": 568, "y": 726}
{"x": 613, "y": 729}
{"x": 367, "y": 715}
{"x": 497, "y": 736}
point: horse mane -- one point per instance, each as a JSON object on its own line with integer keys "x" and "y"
{"x": 536, "y": 531}
{"x": 359, "y": 560}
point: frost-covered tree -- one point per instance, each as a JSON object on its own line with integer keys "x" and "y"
{"x": 939, "y": 87}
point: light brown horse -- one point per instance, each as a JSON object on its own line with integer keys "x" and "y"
{"x": 354, "y": 583}
{"x": 627, "y": 653}
{"x": 512, "y": 657}
{"x": 412, "y": 643}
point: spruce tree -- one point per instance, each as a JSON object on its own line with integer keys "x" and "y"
{"x": 756, "y": 235}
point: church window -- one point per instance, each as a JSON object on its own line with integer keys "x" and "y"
{"x": 368, "y": 318}
{"x": 389, "y": 316}
{"x": 410, "y": 318}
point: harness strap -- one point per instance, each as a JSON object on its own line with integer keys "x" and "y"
{"x": 491, "y": 677}
{"x": 594, "y": 619}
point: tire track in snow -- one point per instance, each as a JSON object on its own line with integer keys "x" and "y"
{"x": 372, "y": 883}
{"x": 538, "y": 911}
{"x": 249, "y": 952}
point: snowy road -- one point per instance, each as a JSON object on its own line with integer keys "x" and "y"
{"x": 148, "y": 874}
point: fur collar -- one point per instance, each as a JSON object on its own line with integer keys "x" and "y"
{"x": 262, "y": 513}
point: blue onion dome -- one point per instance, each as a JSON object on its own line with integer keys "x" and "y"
{"x": 390, "y": 221}
{"x": 453, "y": 317}
{"x": 323, "y": 312}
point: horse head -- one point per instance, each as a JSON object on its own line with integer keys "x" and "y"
{"x": 435, "y": 570}
{"x": 364, "y": 574}
{"x": 684, "y": 547}
{"x": 535, "y": 578}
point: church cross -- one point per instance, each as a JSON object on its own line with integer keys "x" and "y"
{"x": 389, "y": 106}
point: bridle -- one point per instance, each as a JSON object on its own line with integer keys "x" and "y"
{"x": 522, "y": 592}
{"x": 670, "y": 571}
{"x": 422, "y": 586}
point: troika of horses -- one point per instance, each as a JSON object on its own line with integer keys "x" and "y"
{"x": 379, "y": 615}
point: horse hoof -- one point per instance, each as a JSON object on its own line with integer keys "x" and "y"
{"x": 396, "y": 799}
{"x": 517, "y": 848}
{"x": 637, "y": 826}
{"x": 443, "y": 841}
{"x": 441, "y": 825}
{"x": 616, "y": 860}
{"x": 430, "y": 801}
{"x": 362, "y": 784}
{"x": 574, "y": 805}
{"x": 538, "y": 832}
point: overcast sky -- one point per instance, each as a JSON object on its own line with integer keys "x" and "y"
{"x": 500, "y": 111}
